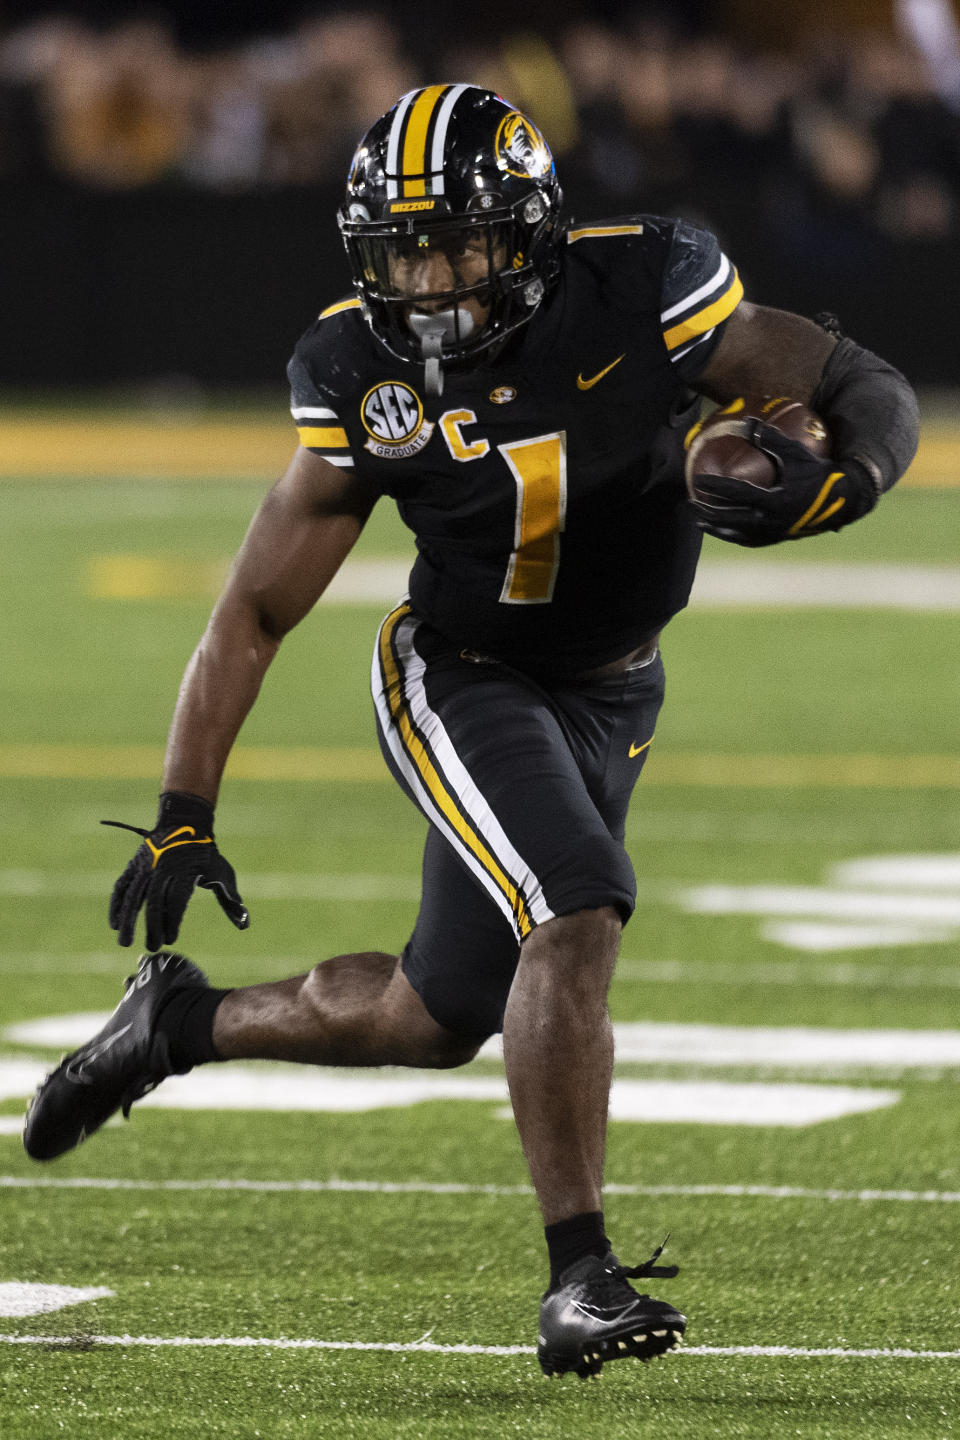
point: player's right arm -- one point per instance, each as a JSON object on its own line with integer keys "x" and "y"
{"x": 299, "y": 538}
{"x": 297, "y": 542}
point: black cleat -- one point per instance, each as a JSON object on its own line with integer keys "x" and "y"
{"x": 123, "y": 1062}
{"x": 593, "y": 1315}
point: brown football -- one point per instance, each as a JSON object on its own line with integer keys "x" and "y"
{"x": 722, "y": 444}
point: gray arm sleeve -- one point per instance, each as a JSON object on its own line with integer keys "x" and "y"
{"x": 871, "y": 411}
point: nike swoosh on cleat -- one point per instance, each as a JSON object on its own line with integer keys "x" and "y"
{"x": 589, "y": 384}
{"x": 605, "y": 1317}
{"x": 75, "y": 1071}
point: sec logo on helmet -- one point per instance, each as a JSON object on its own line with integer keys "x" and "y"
{"x": 392, "y": 416}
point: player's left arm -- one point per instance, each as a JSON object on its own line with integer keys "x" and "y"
{"x": 868, "y": 406}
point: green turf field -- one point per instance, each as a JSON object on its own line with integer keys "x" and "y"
{"x": 365, "y": 1261}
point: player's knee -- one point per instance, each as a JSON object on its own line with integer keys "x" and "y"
{"x": 438, "y": 1034}
{"x": 595, "y": 876}
{"x": 448, "y": 1050}
{"x": 458, "y": 1024}
{"x": 576, "y": 950}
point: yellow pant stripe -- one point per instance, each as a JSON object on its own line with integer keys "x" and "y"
{"x": 434, "y": 783}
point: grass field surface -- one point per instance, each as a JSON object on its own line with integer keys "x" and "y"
{"x": 299, "y": 1253}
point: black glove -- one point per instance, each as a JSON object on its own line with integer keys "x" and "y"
{"x": 811, "y": 495}
{"x": 176, "y": 855}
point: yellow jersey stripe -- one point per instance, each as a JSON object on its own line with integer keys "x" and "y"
{"x": 574, "y": 235}
{"x": 445, "y": 802}
{"x": 353, "y": 304}
{"x": 706, "y": 318}
{"x": 323, "y": 437}
{"x": 415, "y": 140}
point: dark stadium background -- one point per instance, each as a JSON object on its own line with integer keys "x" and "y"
{"x": 812, "y": 137}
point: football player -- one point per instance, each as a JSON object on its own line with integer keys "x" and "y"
{"x": 521, "y": 388}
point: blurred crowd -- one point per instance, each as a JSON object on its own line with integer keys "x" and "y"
{"x": 844, "y": 138}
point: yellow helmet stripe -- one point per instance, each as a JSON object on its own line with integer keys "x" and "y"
{"x": 415, "y": 141}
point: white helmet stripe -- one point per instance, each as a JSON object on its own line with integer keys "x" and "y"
{"x": 393, "y": 144}
{"x": 440, "y": 135}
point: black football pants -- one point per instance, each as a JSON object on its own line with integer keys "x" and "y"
{"x": 526, "y": 786}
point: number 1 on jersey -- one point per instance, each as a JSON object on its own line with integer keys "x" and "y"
{"x": 539, "y": 467}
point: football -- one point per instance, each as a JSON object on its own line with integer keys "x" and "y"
{"x": 724, "y": 444}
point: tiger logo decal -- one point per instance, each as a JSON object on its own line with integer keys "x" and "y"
{"x": 520, "y": 148}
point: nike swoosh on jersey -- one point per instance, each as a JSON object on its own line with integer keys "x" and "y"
{"x": 75, "y": 1072}
{"x": 589, "y": 384}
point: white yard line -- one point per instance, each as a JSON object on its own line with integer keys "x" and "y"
{"x": 641, "y": 1042}
{"x": 456, "y": 1187}
{"x": 820, "y": 901}
{"x": 720, "y": 584}
{"x": 283, "y": 1088}
{"x": 726, "y": 584}
{"x": 784, "y": 584}
{"x": 827, "y": 1351}
{"x": 770, "y": 1046}
{"x": 787, "y": 973}
{"x": 430, "y": 1347}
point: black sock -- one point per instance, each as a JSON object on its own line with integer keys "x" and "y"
{"x": 569, "y": 1240}
{"x": 187, "y": 1021}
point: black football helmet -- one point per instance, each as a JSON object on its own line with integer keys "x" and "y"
{"x": 451, "y": 167}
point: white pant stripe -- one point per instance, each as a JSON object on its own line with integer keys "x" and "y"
{"x": 469, "y": 798}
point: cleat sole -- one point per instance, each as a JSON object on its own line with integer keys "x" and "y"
{"x": 644, "y": 1346}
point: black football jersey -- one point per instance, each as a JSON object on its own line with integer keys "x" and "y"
{"x": 545, "y": 487}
